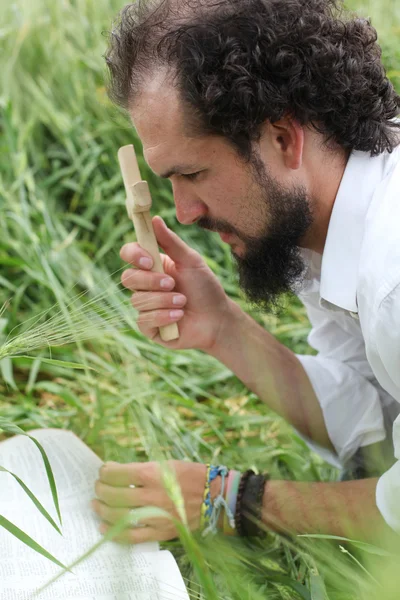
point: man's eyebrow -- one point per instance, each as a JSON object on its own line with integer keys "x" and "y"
{"x": 178, "y": 170}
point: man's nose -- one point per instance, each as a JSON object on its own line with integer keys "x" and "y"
{"x": 189, "y": 208}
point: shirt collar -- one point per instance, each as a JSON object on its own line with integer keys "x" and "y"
{"x": 341, "y": 255}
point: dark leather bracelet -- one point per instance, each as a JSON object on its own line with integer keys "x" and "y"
{"x": 238, "y": 513}
{"x": 250, "y": 506}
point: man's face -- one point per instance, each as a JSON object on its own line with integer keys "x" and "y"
{"x": 262, "y": 220}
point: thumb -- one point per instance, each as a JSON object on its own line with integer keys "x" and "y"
{"x": 174, "y": 247}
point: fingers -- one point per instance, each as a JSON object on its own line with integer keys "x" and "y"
{"x": 107, "y": 513}
{"x": 138, "y": 280}
{"x": 172, "y": 245}
{"x": 145, "y": 301}
{"x": 137, "y": 474}
{"x": 140, "y": 535}
{"x": 135, "y": 255}
{"x": 118, "y": 474}
{"x": 116, "y": 500}
{"x": 112, "y": 515}
{"x": 150, "y": 322}
{"x": 145, "y": 530}
{"x": 176, "y": 248}
{"x": 155, "y": 309}
{"x": 123, "y": 497}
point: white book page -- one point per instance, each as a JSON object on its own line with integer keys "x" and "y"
{"x": 112, "y": 573}
{"x": 141, "y": 576}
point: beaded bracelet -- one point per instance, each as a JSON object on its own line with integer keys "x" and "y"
{"x": 210, "y": 511}
{"x": 204, "y": 518}
{"x": 232, "y": 488}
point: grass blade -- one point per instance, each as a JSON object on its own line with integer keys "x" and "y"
{"x": 35, "y": 501}
{"x": 14, "y": 429}
{"x": 358, "y": 544}
{"x": 317, "y": 587}
{"x": 56, "y": 363}
{"x": 26, "y": 539}
{"x": 6, "y": 369}
{"x": 10, "y": 427}
{"x": 50, "y": 476}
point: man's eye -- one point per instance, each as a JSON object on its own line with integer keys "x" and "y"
{"x": 191, "y": 176}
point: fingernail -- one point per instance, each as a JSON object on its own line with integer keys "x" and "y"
{"x": 166, "y": 283}
{"x": 176, "y": 314}
{"x": 179, "y": 300}
{"x": 146, "y": 263}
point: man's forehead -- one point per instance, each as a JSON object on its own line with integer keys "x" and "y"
{"x": 158, "y": 118}
{"x": 157, "y": 113}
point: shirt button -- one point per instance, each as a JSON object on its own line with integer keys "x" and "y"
{"x": 354, "y": 315}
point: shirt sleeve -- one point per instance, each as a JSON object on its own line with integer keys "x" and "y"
{"x": 347, "y": 391}
{"x": 386, "y": 336}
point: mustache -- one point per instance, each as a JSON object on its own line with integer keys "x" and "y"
{"x": 217, "y": 225}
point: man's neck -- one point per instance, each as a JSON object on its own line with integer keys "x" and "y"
{"x": 325, "y": 181}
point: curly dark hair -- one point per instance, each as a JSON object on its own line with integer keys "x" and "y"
{"x": 240, "y": 63}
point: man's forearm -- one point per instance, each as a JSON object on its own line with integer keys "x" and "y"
{"x": 344, "y": 508}
{"x": 272, "y": 372}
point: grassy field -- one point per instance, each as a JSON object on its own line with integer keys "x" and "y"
{"x": 62, "y": 223}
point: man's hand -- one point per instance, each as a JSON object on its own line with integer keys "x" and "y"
{"x": 188, "y": 293}
{"x": 116, "y": 498}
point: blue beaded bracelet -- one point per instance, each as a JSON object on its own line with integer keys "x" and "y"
{"x": 212, "y": 510}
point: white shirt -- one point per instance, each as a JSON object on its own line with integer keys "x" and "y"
{"x": 352, "y": 297}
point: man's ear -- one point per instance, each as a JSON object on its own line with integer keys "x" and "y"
{"x": 287, "y": 140}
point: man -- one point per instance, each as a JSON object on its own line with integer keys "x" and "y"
{"x": 275, "y": 123}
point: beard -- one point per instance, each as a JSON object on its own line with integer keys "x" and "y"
{"x": 272, "y": 264}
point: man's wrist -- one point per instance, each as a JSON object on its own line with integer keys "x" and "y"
{"x": 234, "y": 317}
{"x": 215, "y": 488}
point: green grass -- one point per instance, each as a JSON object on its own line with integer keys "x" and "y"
{"x": 63, "y": 220}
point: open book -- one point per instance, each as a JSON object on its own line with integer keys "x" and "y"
{"x": 113, "y": 572}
